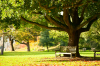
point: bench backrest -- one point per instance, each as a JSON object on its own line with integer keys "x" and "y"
{"x": 84, "y": 49}
{"x": 68, "y": 48}
{"x": 92, "y": 49}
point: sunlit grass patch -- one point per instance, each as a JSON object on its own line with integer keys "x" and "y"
{"x": 44, "y": 59}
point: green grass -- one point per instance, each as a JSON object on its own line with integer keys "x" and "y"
{"x": 28, "y": 54}
{"x": 41, "y": 59}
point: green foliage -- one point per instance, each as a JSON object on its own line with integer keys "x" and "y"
{"x": 92, "y": 38}
{"x": 25, "y": 33}
{"x": 9, "y": 21}
{"x": 62, "y": 43}
{"x": 82, "y": 42}
{"x": 28, "y": 8}
{"x": 94, "y": 35}
{"x": 60, "y": 37}
{"x": 45, "y": 39}
{"x": 20, "y": 6}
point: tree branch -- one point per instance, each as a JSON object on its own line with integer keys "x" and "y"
{"x": 78, "y": 2}
{"x": 37, "y": 13}
{"x": 45, "y": 7}
{"x": 88, "y": 26}
{"x": 66, "y": 17}
{"x": 74, "y": 5}
{"x": 43, "y": 26}
{"x": 83, "y": 10}
{"x": 75, "y": 17}
{"x": 20, "y": 42}
{"x": 60, "y": 18}
{"x": 46, "y": 19}
{"x": 86, "y": 22}
{"x": 55, "y": 22}
{"x": 70, "y": 12}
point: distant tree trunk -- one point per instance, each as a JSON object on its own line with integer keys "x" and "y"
{"x": 11, "y": 43}
{"x": 2, "y": 47}
{"x": 47, "y": 48}
{"x": 28, "y": 46}
{"x": 12, "y": 47}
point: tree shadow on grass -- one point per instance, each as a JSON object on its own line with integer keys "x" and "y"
{"x": 64, "y": 59}
{"x": 25, "y": 53}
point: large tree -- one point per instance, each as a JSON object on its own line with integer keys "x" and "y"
{"x": 77, "y": 17}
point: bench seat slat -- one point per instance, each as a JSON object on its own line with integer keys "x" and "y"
{"x": 97, "y": 54}
{"x": 66, "y": 53}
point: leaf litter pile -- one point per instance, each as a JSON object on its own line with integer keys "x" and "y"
{"x": 49, "y": 61}
{"x": 66, "y": 61}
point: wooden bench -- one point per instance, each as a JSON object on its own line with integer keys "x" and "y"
{"x": 96, "y": 53}
{"x": 66, "y": 50}
{"x": 41, "y": 49}
{"x": 84, "y": 49}
{"x": 92, "y": 49}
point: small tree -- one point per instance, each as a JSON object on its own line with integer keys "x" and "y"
{"x": 24, "y": 34}
{"x": 45, "y": 40}
{"x": 22, "y": 38}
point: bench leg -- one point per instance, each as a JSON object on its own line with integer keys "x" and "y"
{"x": 60, "y": 55}
{"x": 71, "y": 55}
{"x": 94, "y": 54}
{"x": 55, "y": 54}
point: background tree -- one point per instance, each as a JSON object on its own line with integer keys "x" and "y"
{"x": 91, "y": 39}
{"x": 24, "y": 34}
{"x": 45, "y": 39}
{"x": 77, "y": 17}
{"x": 10, "y": 30}
{"x": 82, "y": 41}
{"x": 22, "y": 38}
{"x": 93, "y": 36}
{"x": 5, "y": 26}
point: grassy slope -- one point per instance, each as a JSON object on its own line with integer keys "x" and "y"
{"x": 36, "y": 59}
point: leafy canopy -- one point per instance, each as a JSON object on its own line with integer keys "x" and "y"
{"x": 49, "y": 11}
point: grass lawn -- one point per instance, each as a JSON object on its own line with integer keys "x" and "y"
{"x": 44, "y": 59}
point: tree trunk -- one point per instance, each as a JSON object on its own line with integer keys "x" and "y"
{"x": 12, "y": 47}
{"x": 47, "y": 48}
{"x": 2, "y": 47}
{"x": 28, "y": 46}
{"x": 74, "y": 40}
{"x": 11, "y": 43}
